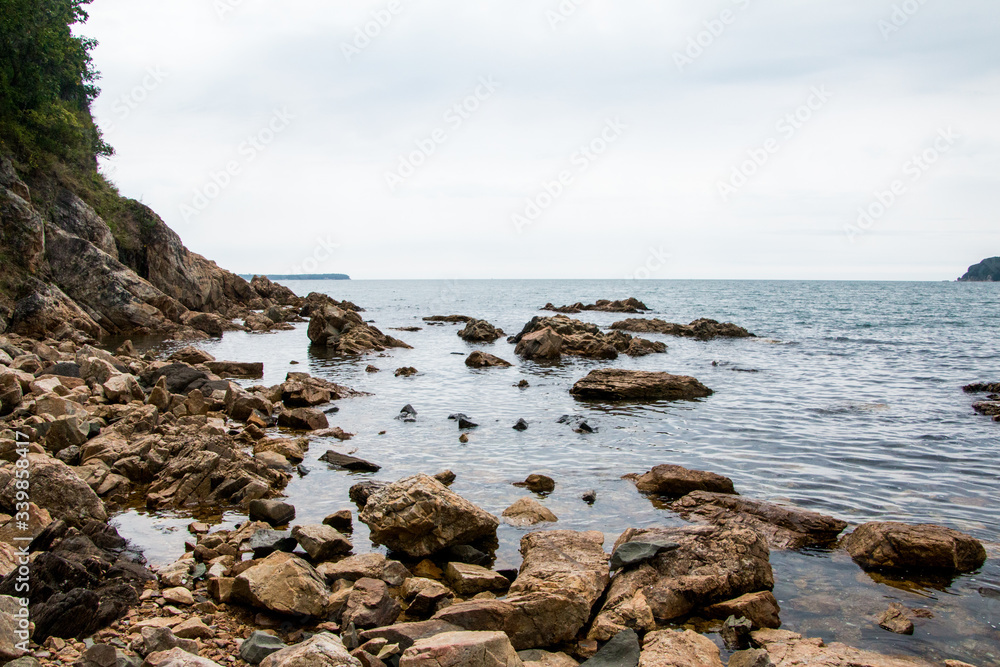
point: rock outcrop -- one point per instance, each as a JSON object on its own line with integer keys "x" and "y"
{"x": 789, "y": 648}
{"x": 345, "y": 332}
{"x": 550, "y": 337}
{"x": 710, "y": 565}
{"x": 629, "y": 305}
{"x": 485, "y": 360}
{"x": 676, "y": 481}
{"x": 420, "y": 516}
{"x": 480, "y": 331}
{"x": 615, "y": 384}
{"x": 987, "y": 271}
{"x": 701, "y": 329}
{"x": 783, "y": 526}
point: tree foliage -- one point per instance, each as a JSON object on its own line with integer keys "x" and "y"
{"x": 47, "y": 82}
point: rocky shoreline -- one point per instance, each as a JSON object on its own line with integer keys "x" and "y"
{"x": 101, "y": 431}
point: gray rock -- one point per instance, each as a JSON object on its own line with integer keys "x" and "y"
{"x": 736, "y": 633}
{"x": 755, "y": 657}
{"x": 351, "y": 463}
{"x": 631, "y": 553}
{"x": 621, "y": 651}
{"x": 273, "y": 512}
{"x": 259, "y": 646}
{"x": 263, "y": 543}
{"x": 155, "y": 640}
{"x": 521, "y": 425}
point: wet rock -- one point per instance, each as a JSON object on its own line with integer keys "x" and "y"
{"x": 544, "y": 344}
{"x": 464, "y": 553}
{"x": 258, "y": 646}
{"x": 362, "y": 491}
{"x": 711, "y": 565}
{"x": 629, "y": 305}
{"x": 589, "y": 497}
{"x": 896, "y": 619}
{"x": 784, "y": 526}
{"x": 407, "y": 414}
{"x": 701, "y": 329}
{"x": 468, "y": 580}
{"x": 323, "y": 649}
{"x": 561, "y": 577}
{"x": 177, "y": 657}
{"x": 451, "y": 319}
{"x": 446, "y": 477}
{"x": 521, "y": 425}
{"x": 885, "y": 545}
{"x": 191, "y": 355}
{"x": 619, "y": 384}
{"x": 321, "y": 542}
{"x": 788, "y": 648}
{"x": 736, "y": 633}
{"x": 675, "y": 481}
{"x": 528, "y": 512}
{"x": 301, "y": 390}
{"x": 484, "y": 360}
{"x": 274, "y": 512}
{"x": 460, "y": 649}
{"x": 464, "y": 423}
{"x": 538, "y": 484}
{"x": 405, "y": 371}
{"x": 638, "y": 551}
{"x": 369, "y": 605}
{"x": 340, "y": 520}
{"x": 480, "y": 331}
{"x": 760, "y": 608}
{"x": 347, "y": 462}
{"x": 345, "y": 332}
{"x": 547, "y": 338}
{"x": 284, "y": 584}
{"x": 678, "y": 648}
{"x": 237, "y": 369}
{"x": 303, "y": 419}
{"x": 523, "y": 384}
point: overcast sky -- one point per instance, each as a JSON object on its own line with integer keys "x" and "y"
{"x": 581, "y": 139}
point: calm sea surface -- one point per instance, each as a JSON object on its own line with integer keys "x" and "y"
{"x": 849, "y": 403}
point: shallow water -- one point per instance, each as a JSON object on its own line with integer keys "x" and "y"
{"x": 855, "y": 410}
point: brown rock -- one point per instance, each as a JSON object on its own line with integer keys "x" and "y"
{"x": 284, "y": 584}
{"x": 619, "y": 384}
{"x": 462, "y": 649}
{"x": 303, "y": 419}
{"x": 896, "y": 619}
{"x": 480, "y": 331}
{"x": 406, "y": 371}
{"x": 711, "y": 565}
{"x": 193, "y": 628}
{"x": 925, "y": 547}
{"x": 191, "y": 355}
{"x": 543, "y": 344}
{"x": 788, "y": 648}
{"x": 629, "y": 305}
{"x": 760, "y": 608}
{"x": 783, "y": 526}
{"x": 321, "y": 650}
{"x": 675, "y": 481}
{"x": 369, "y": 605}
{"x": 352, "y": 568}
{"x": 485, "y": 360}
{"x": 345, "y": 332}
{"x": 321, "y": 542}
{"x": 538, "y": 484}
{"x": 468, "y": 580}
{"x": 528, "y": 512}
{"x": 702, "y": 329}
{"x": 676, "y": 648}
{"x": 420, "y": 516}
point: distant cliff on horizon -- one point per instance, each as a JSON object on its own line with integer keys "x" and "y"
{"x": 987, "y": 271}
{"x": 300, "y": 276}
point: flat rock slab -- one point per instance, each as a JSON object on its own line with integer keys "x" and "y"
{"x": 788, "y": 648}
{"x": 321, "y": 649}
{"x": 462, "y": 649}
{"x": 676, "y": 648}
{"x": 348, "y": 462}
{"x": 676, "y": 481}
{"x": 615, "y": 384}
{"x": 621, "y": 651}
{"x": 783, "y": 526}
{"x": 639, "y": 551}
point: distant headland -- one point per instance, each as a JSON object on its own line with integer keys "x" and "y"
{"x": 987, "y": 271}
{"x": 301, "y": 276}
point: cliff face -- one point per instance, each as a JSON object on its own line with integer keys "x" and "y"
{"x": 66, "y": 272}
{"x": 987, "y": 271}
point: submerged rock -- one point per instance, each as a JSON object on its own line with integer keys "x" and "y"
{"x": 789, "y": 648}
{"x": 480, "y": 331}
{"x": 619, "y": 384}
{"x": 528, "y": 512}
{"x": 702, "y": 329}
{"x": 675, "y": 481}
{"x": 485, "y": 360}
{"x": 537, "y": 484}
{"x": 420, "y": 516}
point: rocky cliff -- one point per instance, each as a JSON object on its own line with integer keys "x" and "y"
{"x": 987, "y": 271}
{"x": 68, "y": 271}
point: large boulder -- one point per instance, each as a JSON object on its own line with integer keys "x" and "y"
{"x": 285, "y": 584}
{"x": 789, "y": 648}
{"x": 420, "y": 516}
{"x": 480, "y": 359}
{"x": 543, "y": 344}
{"x": 561, "y": 577}
{"x": 710, "y": 565}
{"x": 462, "y": 649}
{"x": 575, "y": 338}
{"x": 480, "y": 331}
{"x": 321, "y": 542}
{"x": 783, "y": 526}
{"x": 675, "y": 481}
{"x": 887, "y": 545}
{"x": 56, "y": 488}
{"x": 369, "y": 605}
{"x": 320, "y": 650}
{"x": 617, "y": 384}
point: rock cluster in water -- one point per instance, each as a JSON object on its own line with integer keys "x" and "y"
{"x": 549, "y": 338}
